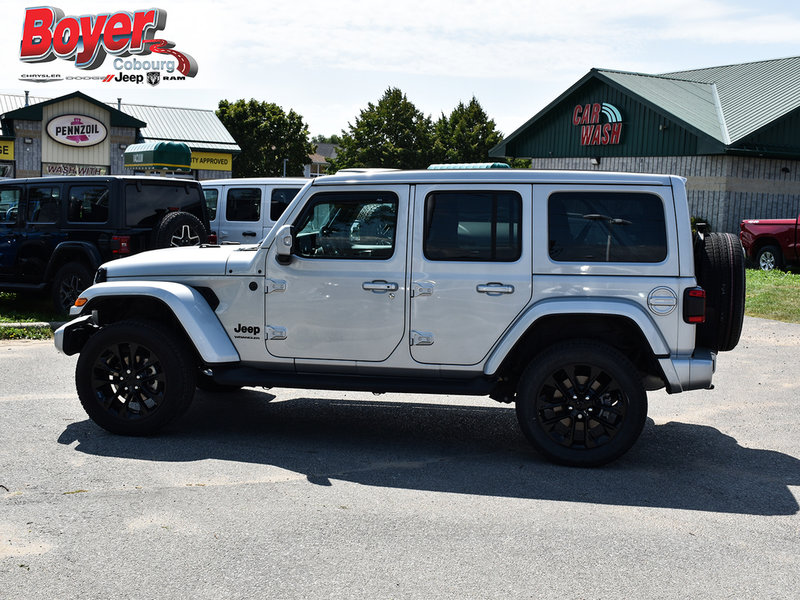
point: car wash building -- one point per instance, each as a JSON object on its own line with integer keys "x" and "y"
{"x": 79, "y": 135}
{"x": 732, "y": 131}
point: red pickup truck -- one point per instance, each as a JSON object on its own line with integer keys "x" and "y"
{"x": 771, "y": 243}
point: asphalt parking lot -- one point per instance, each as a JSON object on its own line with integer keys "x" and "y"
{"x": 296, "y": 494}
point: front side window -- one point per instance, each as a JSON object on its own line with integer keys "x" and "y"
{"x": 606, "y": 227}
{"x": 88, "y": 204}
{"x": 244, "y": 204}
{"x": 473, "y": 226}
{"x": 355, "y": 225}
{"x": 280, "y": 200}
{"x": 9, "y": 205}
{"x": 43, "y": 205}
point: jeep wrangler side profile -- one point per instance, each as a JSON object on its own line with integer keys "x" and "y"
{"x": 569, "y": 293}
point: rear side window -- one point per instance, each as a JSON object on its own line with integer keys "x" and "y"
{"x": 212, "y": 197}
{"x": 280, "y": 200}
{"x": 88, "y": 204}
{"x": 244, "y": 204}
{"x": 473, "y": 226}
{"x": 43, "y": 204}
{"x": 147, "y": 203}
{"x": 606, "y": 227}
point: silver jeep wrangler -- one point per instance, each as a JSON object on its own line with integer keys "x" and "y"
{"x": 568, "y": 293}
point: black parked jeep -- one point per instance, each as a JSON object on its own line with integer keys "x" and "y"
{"x": 56, "y": 231}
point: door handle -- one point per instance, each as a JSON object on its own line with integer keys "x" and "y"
{"x": 249, "y": 233}
{"x": 379, "y": 286}
{"x": 495, "y": 288}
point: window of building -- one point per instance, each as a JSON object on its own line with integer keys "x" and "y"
{"x": 606, "y": 227}
{"x": 473, "y": 226}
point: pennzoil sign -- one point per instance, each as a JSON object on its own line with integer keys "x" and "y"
{"x": 593, "y": 132}
{"x": 76, "y": 130}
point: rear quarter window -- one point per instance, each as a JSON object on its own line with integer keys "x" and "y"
{"x": 147, "y": 203}
{"x": 592, "y": 226}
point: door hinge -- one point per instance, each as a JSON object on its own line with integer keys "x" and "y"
{"x": 275, "y": 333}
{"x": 274, "y": 285}
{"x": 421, "y": 288}
{"x": 421, "y": 338}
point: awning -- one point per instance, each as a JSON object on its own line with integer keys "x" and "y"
{"x": 159, "y": 156}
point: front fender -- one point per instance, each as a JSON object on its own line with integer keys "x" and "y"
{"x": 187, "y": 304}
{"x": 546, "y": 308}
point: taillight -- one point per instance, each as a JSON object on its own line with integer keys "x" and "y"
{"x": 694, "y": 305}
{"x": 212, "y": 238}
{"x": 120, "y": 245}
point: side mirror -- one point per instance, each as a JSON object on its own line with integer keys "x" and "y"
{"x": 284, "y": 240}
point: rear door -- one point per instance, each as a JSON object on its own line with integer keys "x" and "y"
{"x": 471, "y": 269}
{"x": 240, "y": 214}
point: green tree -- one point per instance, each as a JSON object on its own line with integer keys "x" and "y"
{"x": 267, "y": 135}
{"x": 326, "y": 139}
{"x": 391, "y": 133}
{"x": 466, "y": 136}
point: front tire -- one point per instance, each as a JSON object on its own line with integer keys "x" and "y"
{"x": 769, "y": 258}
{"x": 581, "y": 403}
{"x": 134, "y": 377}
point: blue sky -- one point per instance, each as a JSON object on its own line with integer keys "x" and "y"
{"x": 327, "y": 59}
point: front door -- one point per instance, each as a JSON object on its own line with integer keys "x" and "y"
{"x": 11, "y": 232}
{"x": 343, "y": 294}
{"x": 471, "y": 269}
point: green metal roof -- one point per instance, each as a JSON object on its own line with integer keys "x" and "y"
{"x": 723, "y": 105}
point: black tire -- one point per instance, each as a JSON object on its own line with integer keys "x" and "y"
{"x": 134, "y": 377}
{"x": 719, "y": 267}
{"x": 769, "y": 258}
{"x": 69, "y": 282}
{"x": 581, "y": 403}
{"x": 179, "y": 229}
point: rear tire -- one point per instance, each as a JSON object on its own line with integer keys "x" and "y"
{"x": 69, "y": 282}
{"x": 134, "y": 377}
{"x": 581, "y": 403}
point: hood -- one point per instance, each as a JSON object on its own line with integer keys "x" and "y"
{"x": 171, "y": 262}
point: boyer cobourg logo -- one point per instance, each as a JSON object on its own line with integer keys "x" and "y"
{"x": 87, "y": 41}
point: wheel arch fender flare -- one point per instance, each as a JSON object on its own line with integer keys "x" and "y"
{"x": 189, "y": 307}
{"x": 556, "y": 307}
{"x": 87, "y": 250}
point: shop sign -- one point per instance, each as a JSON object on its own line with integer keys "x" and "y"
{"x": 593, "y": 132}
{"x": 76, "y": 130}
{"x": 72, "y": 169}
{"x": 212, "y": 161}
{"x": 6, "y": 150}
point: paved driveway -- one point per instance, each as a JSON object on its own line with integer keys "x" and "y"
{"x": 294, "y": 494}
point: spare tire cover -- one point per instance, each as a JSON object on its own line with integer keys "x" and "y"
{"x": 179, "y": 229}
{"x": 719, "y": 268}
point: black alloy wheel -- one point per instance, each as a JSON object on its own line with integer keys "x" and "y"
{"x": 581, "y": 403}
{"x": 134, "y": 377}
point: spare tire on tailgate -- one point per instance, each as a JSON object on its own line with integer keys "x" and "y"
{"x": 179, "y": 229}
{"x": 719, "y": 268}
